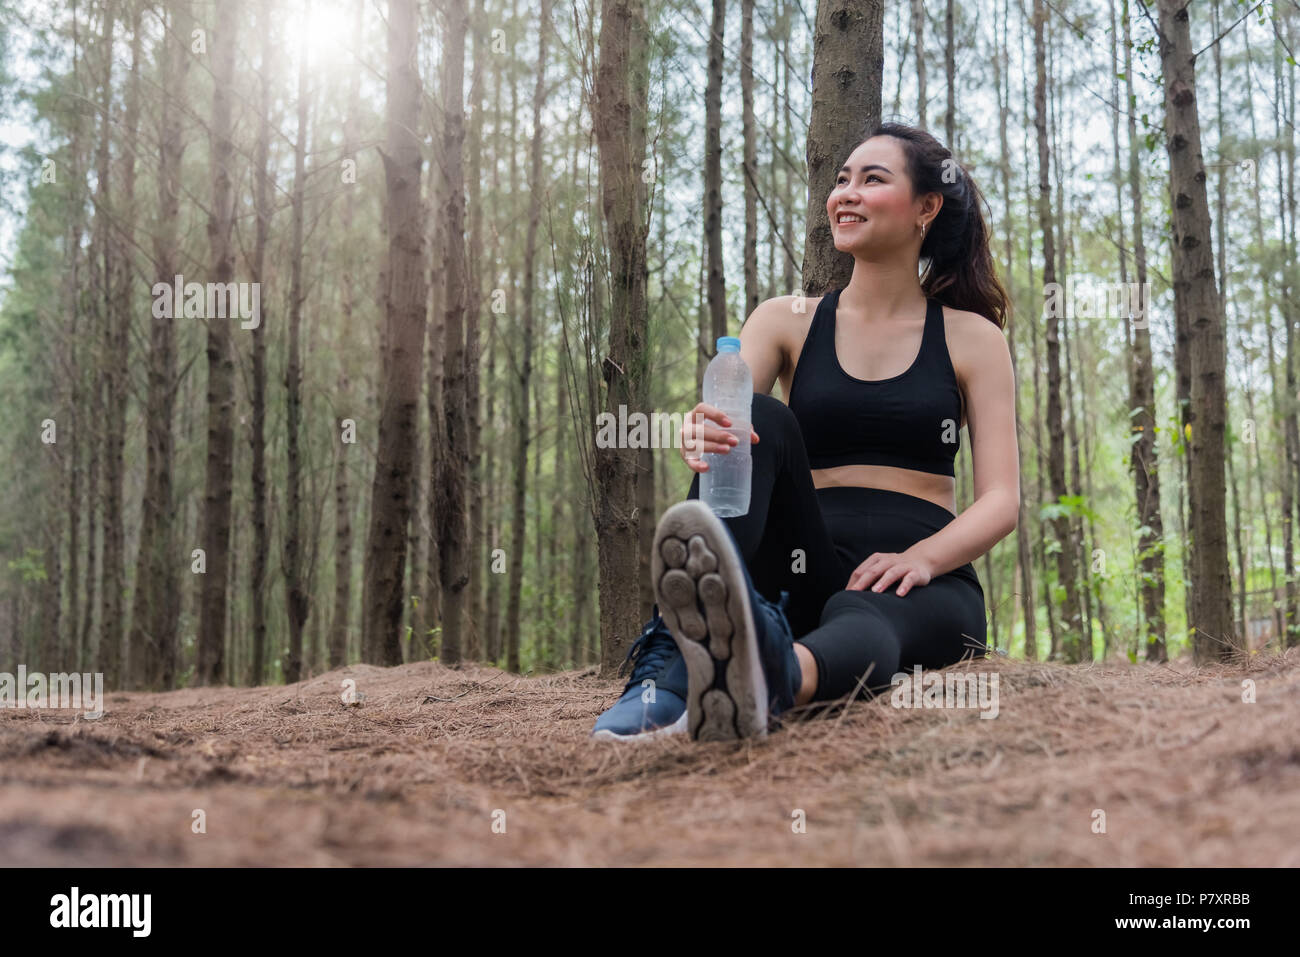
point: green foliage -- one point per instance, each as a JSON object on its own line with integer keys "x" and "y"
{"x": 1067, "y": 506}
{"x": 29, "y": 566}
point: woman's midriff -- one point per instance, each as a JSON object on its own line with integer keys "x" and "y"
{"x": 939, "y": 489}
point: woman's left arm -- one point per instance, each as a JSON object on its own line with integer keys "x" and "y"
{"x": 983, "y": 361}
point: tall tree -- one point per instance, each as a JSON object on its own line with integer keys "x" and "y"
{"x": 847, "y": 73}
{"x": 950, "y": 75}
{"x": 450, "y": 438}
{"x": 116, "y": 374}
{"x": 521, "y": 423}
{"x": 750, "y": 133}
{"x": 338, "y": 635}
{"x": 263, "y": 185}
{"x": 473, "y": 312}
{"x": 156, "y": 605}
{"x": 295, "y": 586}
{"x": 100, "y": 365}
{"x": 221, "y": 363}
{"x": 404, "y": 305}
{"x": 1072, "y": 623}
{"x": 717, "y": 287}
{"x": 1142, "y": 400}
{"x": 1196, "y": 296}
{"x": 619, "y": 120}
{"x": 918, "y": 43}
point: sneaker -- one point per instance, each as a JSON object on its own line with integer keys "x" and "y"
{"x": 739, "y": 652}
{"x": 648, "y": 711}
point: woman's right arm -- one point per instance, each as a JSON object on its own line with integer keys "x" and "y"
{"x": 762, "y": 348}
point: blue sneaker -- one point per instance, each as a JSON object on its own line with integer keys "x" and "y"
{"x": 738, "y": 648}
{"x": 646, "y": 711}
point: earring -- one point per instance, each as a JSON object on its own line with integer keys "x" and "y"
{"x": 923, "y": 232}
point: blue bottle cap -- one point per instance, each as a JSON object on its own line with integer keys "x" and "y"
{"x": 728, "y": 344}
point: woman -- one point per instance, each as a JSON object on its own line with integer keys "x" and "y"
{"x": 852, "y": 515}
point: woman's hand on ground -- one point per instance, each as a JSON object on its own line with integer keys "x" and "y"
{"x": 885, "y": 568}
{"x": 705, "y": 430}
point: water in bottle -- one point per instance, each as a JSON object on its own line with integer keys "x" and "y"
{"x": 728, "y": 386}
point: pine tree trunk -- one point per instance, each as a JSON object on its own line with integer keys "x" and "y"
{"x": 105, "y": 374}
{"x": 1193, "y": 278}
{"x": 848, "y": 63}
{"x": 156, "y": 605}
{"x": 475, "y": 643}
{"x": 295, "y": 589}
{"x": 115, "y": 381}
{"x": 210, "y": 669}
{"x": 950, "y": 74}
{"x": 1144, "y": 457}
{"x": 450, "y": 505}
{"x": 1266, "y": 281}
{"x": 1071, "y": 624}
{"x": 404, "y": 302}
{"x": 619, "y": 119}
{"x": 750, "y": 134}
{"x": 918, "y": 35}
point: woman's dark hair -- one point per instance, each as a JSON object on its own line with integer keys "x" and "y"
{"x": 960, "y": 271}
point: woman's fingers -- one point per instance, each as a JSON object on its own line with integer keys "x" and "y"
{"x": 865, "y": 573}
{"x": 700, "y": 436}
{"x": 889, "y": 577}
{"x": 704, "y": 410}
{"x": 707, "y": 439}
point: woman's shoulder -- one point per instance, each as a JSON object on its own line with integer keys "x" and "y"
{"x": 786, "y": 318}
{"x": 974, "y": 342}
{"x": 972, "y": 333}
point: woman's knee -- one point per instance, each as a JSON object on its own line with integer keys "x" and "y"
{"x": 773, "y": 417}
{"x": 854, "y": 639}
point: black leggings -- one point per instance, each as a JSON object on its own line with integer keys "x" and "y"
{"x": 808, "y": 541}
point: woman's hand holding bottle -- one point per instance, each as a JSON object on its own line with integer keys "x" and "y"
{"x": 699, "y": 437}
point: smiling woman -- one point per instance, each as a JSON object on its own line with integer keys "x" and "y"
{"x": 854, "y": 474}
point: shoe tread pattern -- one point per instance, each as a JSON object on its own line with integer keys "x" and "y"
{"x": 704, "y": 599}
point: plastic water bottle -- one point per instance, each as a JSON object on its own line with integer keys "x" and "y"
{"x": 729, "y": 386}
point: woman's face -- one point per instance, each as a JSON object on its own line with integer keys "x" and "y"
{"x": 874, "y": 185}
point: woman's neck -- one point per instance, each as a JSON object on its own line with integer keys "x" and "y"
{"x": 879, "y": 290}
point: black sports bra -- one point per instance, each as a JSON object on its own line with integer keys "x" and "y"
{"x": 912, "y": 420}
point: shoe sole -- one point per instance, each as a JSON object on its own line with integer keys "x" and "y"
{"x": 703, "y": 596}
{"x": 677, "y": 727}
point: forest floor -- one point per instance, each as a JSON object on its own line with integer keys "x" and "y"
{"x": 421, "y": 770}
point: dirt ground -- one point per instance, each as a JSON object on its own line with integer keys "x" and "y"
{"x": 479, "y": 767}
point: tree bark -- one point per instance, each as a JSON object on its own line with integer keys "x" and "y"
{"x": 847, "y": 73}
{"x": 619, "y": 119}
{"x": 156, "y": 605}
{"x": 391, "y": 490}
{"x": 295, "y": 588}
{"x": 521, "y": 423}
{"x": 221, "y": 365}
{"x": 452, "y": 463}
{"x": 116, "y": 384}
{"x": 1194, "y": 292}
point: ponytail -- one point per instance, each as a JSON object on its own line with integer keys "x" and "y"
{"x": 959, "y": 263}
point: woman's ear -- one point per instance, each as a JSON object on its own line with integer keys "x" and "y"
{"x": 930, "y": 206}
